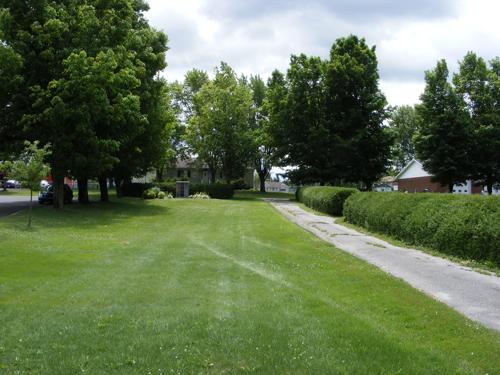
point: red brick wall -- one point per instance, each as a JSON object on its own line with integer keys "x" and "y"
{"x": 420, "y": 184}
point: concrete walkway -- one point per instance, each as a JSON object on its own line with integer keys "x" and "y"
{"x": 473, "y": 294}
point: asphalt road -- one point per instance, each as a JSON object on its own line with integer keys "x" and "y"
{"x": 473, "y": 294}
{"x": 11, "y": 204}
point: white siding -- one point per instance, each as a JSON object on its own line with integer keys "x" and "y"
{"x": 414, "y": 170}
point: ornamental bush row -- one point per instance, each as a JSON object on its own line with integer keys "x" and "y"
{"x": 464, "y": 226}
{"x": 215, "y": 191}
{"x": 327, "y": 199}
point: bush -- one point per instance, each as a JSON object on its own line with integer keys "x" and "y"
{"x": 199, "y": 196}
{"x": 167, "y": 187}
{"x": 215, "y": 191}
{"x": 327, "y": 199}
{"x": 150, "y": 194}
{"x": 135, "y": 190}
{"x": 161, "y": 195}
{"x": 463, "y": 226}
{"x": 240, "y": 184}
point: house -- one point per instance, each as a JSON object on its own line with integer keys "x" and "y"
{"x": 413, "y": 178}
{"x": 279, "y": 187}
{"x": 387, "y": 183}
{"x": 194, "y": 171}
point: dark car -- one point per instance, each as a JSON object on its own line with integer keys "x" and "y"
{"x": 12, "y": 184}
{"x": 47, "y": 195}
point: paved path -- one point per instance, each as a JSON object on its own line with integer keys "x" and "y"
{"x": 475, "y": 295}
{"x": 10, "y": 204}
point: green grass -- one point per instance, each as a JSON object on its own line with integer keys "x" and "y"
{"x": 253, "y": 194}
{"x": 16, "y": 192}
{"x": 191, "y": 286}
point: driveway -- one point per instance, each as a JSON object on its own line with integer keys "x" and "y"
{"x": 10, "y": 204}
{"x": 473, "y": 294}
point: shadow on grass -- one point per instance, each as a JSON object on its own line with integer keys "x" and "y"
{"x": 248, "y": 195}
{"x": 81, "y": 216}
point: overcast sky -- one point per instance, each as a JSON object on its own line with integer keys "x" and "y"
{"x": 258, "y": 36}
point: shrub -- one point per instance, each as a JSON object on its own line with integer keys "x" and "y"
{"x": 240, "y": 184}
{"x": 135, "y": 190}
{"x": 199, "y": 196}
{"x": 215, "y": 191}
{"x": 463, "y": 226}
{"x": 327, "y": 199}
{"x": 167, "y": 187}
{"x": 149, "y": 194}
{"x": 161, "y": 195}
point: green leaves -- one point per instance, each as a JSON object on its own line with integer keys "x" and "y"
{"x": 327, "y": 116}
{"x": 219, "y": 130}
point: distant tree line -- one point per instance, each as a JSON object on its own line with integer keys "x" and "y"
{"x": 83, "y": 76}
{"x": 323, "y": 117}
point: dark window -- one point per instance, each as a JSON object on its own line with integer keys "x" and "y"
{"x": 179, "y": 173}
{"x": 189, "y": 173}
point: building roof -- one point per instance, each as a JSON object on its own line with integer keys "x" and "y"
{"x": 413, "y": 169}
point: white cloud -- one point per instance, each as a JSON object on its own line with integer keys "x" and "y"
{"x": 258, "y": 36}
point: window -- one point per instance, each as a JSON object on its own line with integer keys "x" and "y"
{"x": 179, "y": 173}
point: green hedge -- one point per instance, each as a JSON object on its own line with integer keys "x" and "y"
{"x": 214, "y": 191}
{"x": 327, "y": 199}
{"x": 135, "y": 190}
{"x": 463, "y": 226}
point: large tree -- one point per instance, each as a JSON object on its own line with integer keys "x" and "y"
{"x": 443, "y": 142}
{"x": 479, "y": 88}
{"x": 403, "y": 125}
{"x": 263, "y": 148}
{"x": 330, "y": 123}
{"x": 304, "y": 137}
{"x": 355, "y": 111}
{"x": 88, "y": 73}
{"x": 219, "y": 130}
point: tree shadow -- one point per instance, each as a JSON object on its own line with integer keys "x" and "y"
{"x": 81, "y": 216}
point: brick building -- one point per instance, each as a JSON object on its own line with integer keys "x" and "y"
{"x": 415, "y": 179}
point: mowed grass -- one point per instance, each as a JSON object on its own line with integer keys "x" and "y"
{"x": 16, "y": 192}
{"x": 191, "y": 286}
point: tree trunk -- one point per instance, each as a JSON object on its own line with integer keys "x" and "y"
{"x": 103, "y": 187}
{"x": 450, "y": 188}
{"x": 489, "y": 185}
{"x": 212, "y": 175}
{"x": 369, "y": 186}
{"x": 118, "y": 187}
{"x": 262, "y": 178}
{"x": 58, "y": 199}
{"x": 159, "y": 174}
{"x": 30, "y": 211}
{"x": 83, "y": 190}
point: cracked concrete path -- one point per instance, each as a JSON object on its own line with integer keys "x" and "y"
{"x": 473, "y": 294}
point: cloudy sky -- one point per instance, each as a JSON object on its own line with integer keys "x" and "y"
{"x": 258, "y": 36}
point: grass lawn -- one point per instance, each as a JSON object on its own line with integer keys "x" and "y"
{"x": 252, "y": 194}
{"x": 193, "y": 286}
{"x": 16, "y": 192}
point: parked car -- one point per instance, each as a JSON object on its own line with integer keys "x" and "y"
{"x": 12, "y": 184}
{"x": 44, "y": 184}
{"x": 47, "y": 195}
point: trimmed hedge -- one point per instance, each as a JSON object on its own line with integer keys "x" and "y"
{"x": 135, "y": 190}
{"x": 214, "y": 191}
{"x": 327, "y": 199}
{"x": 464, "y": 226}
